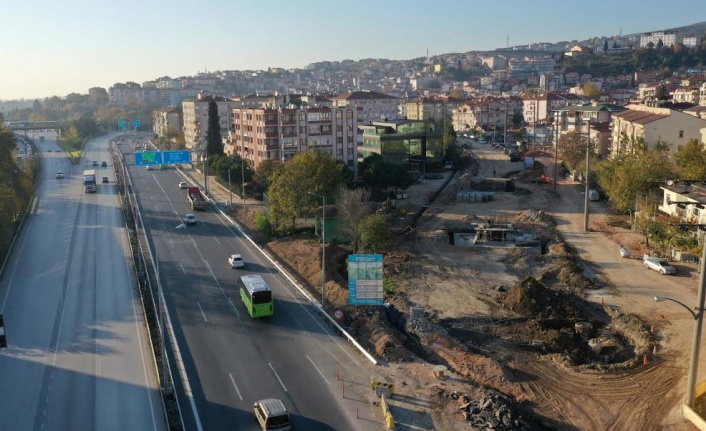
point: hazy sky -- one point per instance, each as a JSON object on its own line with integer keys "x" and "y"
{"x": 59, "y": 47}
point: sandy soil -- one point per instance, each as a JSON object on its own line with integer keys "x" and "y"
{"x": 489, "y": 344}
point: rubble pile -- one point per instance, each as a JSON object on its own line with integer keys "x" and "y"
{"x": 492, "y": 411}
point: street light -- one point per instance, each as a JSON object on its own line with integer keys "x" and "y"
{"x": 323, "y": 245}
{"x": 230, "y": 190}
{"x": 698, "y": 316}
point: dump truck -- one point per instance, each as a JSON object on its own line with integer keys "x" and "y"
{"x": 89, "y": 181}
{"x": 196, "y": 198}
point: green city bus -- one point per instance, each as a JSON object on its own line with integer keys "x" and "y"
{"x": 256, "y": 295}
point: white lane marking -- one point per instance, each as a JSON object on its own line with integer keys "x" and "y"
{"x": 182, "y": 268}
{"x": 232, "y": 380}
{"x": 276, "y": 375}
{"x": 232, "y": 306}
{"x": 202, "y": 313}
{"x": 219, "y": 243}
{"x": 317, "y": 368}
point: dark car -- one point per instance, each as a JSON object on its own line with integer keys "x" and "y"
{"x": 104, "y": 165}
{"x": 105, "y": 180}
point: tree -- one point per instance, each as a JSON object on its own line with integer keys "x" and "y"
{"x": 591, "y": 91}
{"x": 661, "y": 93}
{"x": 573, "y": 148}
{"x": 691, "y": 160}
{"x": 518, "y": 118}
{"x": 263, "y": 176}
{"x": 311, "y": 171}
{"x": 449, "y": 136}
{"x": 214, "y": 143}
{"x": 632, "y": 175}
{"x": 376, "y": 236}
{"x": 352, "y": 208}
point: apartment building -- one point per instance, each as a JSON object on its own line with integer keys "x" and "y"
{"x": 278, "y": 133}
{"x": 693, "y": 210}
{"x": 375, "y": 106}
{"x": 592, "y": 120}
{"x": 668, "y": 38}
{"x": 430, "y": 108}
{"x": 195, "y": 113}
{"x": 167, "y": 121}
{"x": 642, "y": 126}
{"x": 538, "y": 109}
{"x": 688, "y": 94}
{"x": 485, "y": 113}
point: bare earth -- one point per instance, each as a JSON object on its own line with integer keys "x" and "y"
{"x": 495, "y": 329}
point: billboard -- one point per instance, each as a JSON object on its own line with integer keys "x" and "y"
{"x": 365, "y": 278}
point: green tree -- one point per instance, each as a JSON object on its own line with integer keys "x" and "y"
{"x": 691, "y": 160}
{"x": 376, "y": 236}
{"x": 632, "y": 175}
{"x": 352, "y": 208}
{"x": 572, "y": 146}
{"x": 214, "y": 143}
{"x": 263, "y": 176}
{"x": 311, "y": 171}
{"x": 591, "y": 91}
{"x": 449, "y": 136}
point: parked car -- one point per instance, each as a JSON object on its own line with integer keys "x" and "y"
{"x": 190, "y": 219}
{"x": 659, "y": 264}
{"x": 236, "y": 261}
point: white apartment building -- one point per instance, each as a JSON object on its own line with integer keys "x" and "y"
{"x": 690, "y": 42}
{"x": 668, "y": 38}
{"x": 259, "y": 134}
{"x": 375, "y": 106}
{"x": 196, "y": 118}
{"x": 166, "y": 121}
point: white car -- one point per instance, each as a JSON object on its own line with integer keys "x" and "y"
{"x": 149, "y": 167}
{"x": 659, "y": 264}
{"x": 182, "y": 185}
{"x": 190, "y": 219}
{"x": 59, "y": 175}
{"x": 236, "y": 261}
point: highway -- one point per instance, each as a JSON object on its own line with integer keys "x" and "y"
{"x": 78, "y": 356}
{"x": 232, "y": 360}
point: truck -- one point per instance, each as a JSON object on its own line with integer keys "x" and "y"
{"x": 196, "y": 198}
{"x": 89, "y": 181}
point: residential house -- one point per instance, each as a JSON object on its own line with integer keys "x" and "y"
{"x": 686, "y": 201}
{"x": 688, "y": 94}
{"x": 646, "y": 126}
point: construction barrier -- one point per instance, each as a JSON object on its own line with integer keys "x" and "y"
{"x": 382, "y": 388}
{"x": 387, "y": 414}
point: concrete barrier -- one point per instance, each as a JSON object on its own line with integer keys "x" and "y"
{"x": 693, "y": 417}
{"x": 387, "y": 414}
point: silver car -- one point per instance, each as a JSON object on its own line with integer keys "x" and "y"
{"x": 659, "y": 264}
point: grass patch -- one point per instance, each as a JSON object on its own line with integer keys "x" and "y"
{"x": 71, "y": 150}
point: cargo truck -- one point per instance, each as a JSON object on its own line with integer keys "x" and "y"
{"x": 89, "y": 181}
{"x": 196, "y": 198}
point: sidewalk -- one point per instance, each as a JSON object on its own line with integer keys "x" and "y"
{"x": 217, "y": 192}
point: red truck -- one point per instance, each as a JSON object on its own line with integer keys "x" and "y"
{"x": 196, "y": 198}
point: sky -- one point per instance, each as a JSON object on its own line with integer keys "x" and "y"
{"x": 54, "y": 47}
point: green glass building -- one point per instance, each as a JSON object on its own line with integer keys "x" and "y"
{"x": 413, "y": 143}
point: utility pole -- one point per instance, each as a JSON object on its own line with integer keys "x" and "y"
{"x": 556, "y": 146}
{"x": 585, "y": 197}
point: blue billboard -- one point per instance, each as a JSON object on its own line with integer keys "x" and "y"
{"x": 162, "y": 157}
{"x": 365, "y": 278}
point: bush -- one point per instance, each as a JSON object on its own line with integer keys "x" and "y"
{"x": 262, "y": 221}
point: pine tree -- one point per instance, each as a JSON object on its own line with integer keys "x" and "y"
{"x": 214, "y": 144}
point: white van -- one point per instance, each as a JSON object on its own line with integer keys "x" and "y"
{"x": 272, "y": 415}
{"x": 593, "y": 195}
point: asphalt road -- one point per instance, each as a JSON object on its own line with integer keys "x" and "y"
{"x": 231, "y": 359}
{"x": 79, "y": 357}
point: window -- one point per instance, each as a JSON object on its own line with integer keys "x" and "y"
{"x": 681, "y": 133}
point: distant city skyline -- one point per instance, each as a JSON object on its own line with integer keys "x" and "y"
{"x": 58, "y": 48}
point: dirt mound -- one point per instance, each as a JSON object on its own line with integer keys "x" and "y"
{"x": 532, "y": 299}
{"x": 373, "y": 330}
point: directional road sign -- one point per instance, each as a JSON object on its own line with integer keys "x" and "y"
{"x": 122, "y": 124}
{"x": 135, "y": 123}
{"x": 162, "y": 157}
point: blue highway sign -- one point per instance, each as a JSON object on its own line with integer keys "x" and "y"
{"x": 177, "y": 157}
{"x": 162, "y": 157}
{"x": 148, "y": 158}
{"x": 135, "y": 123}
